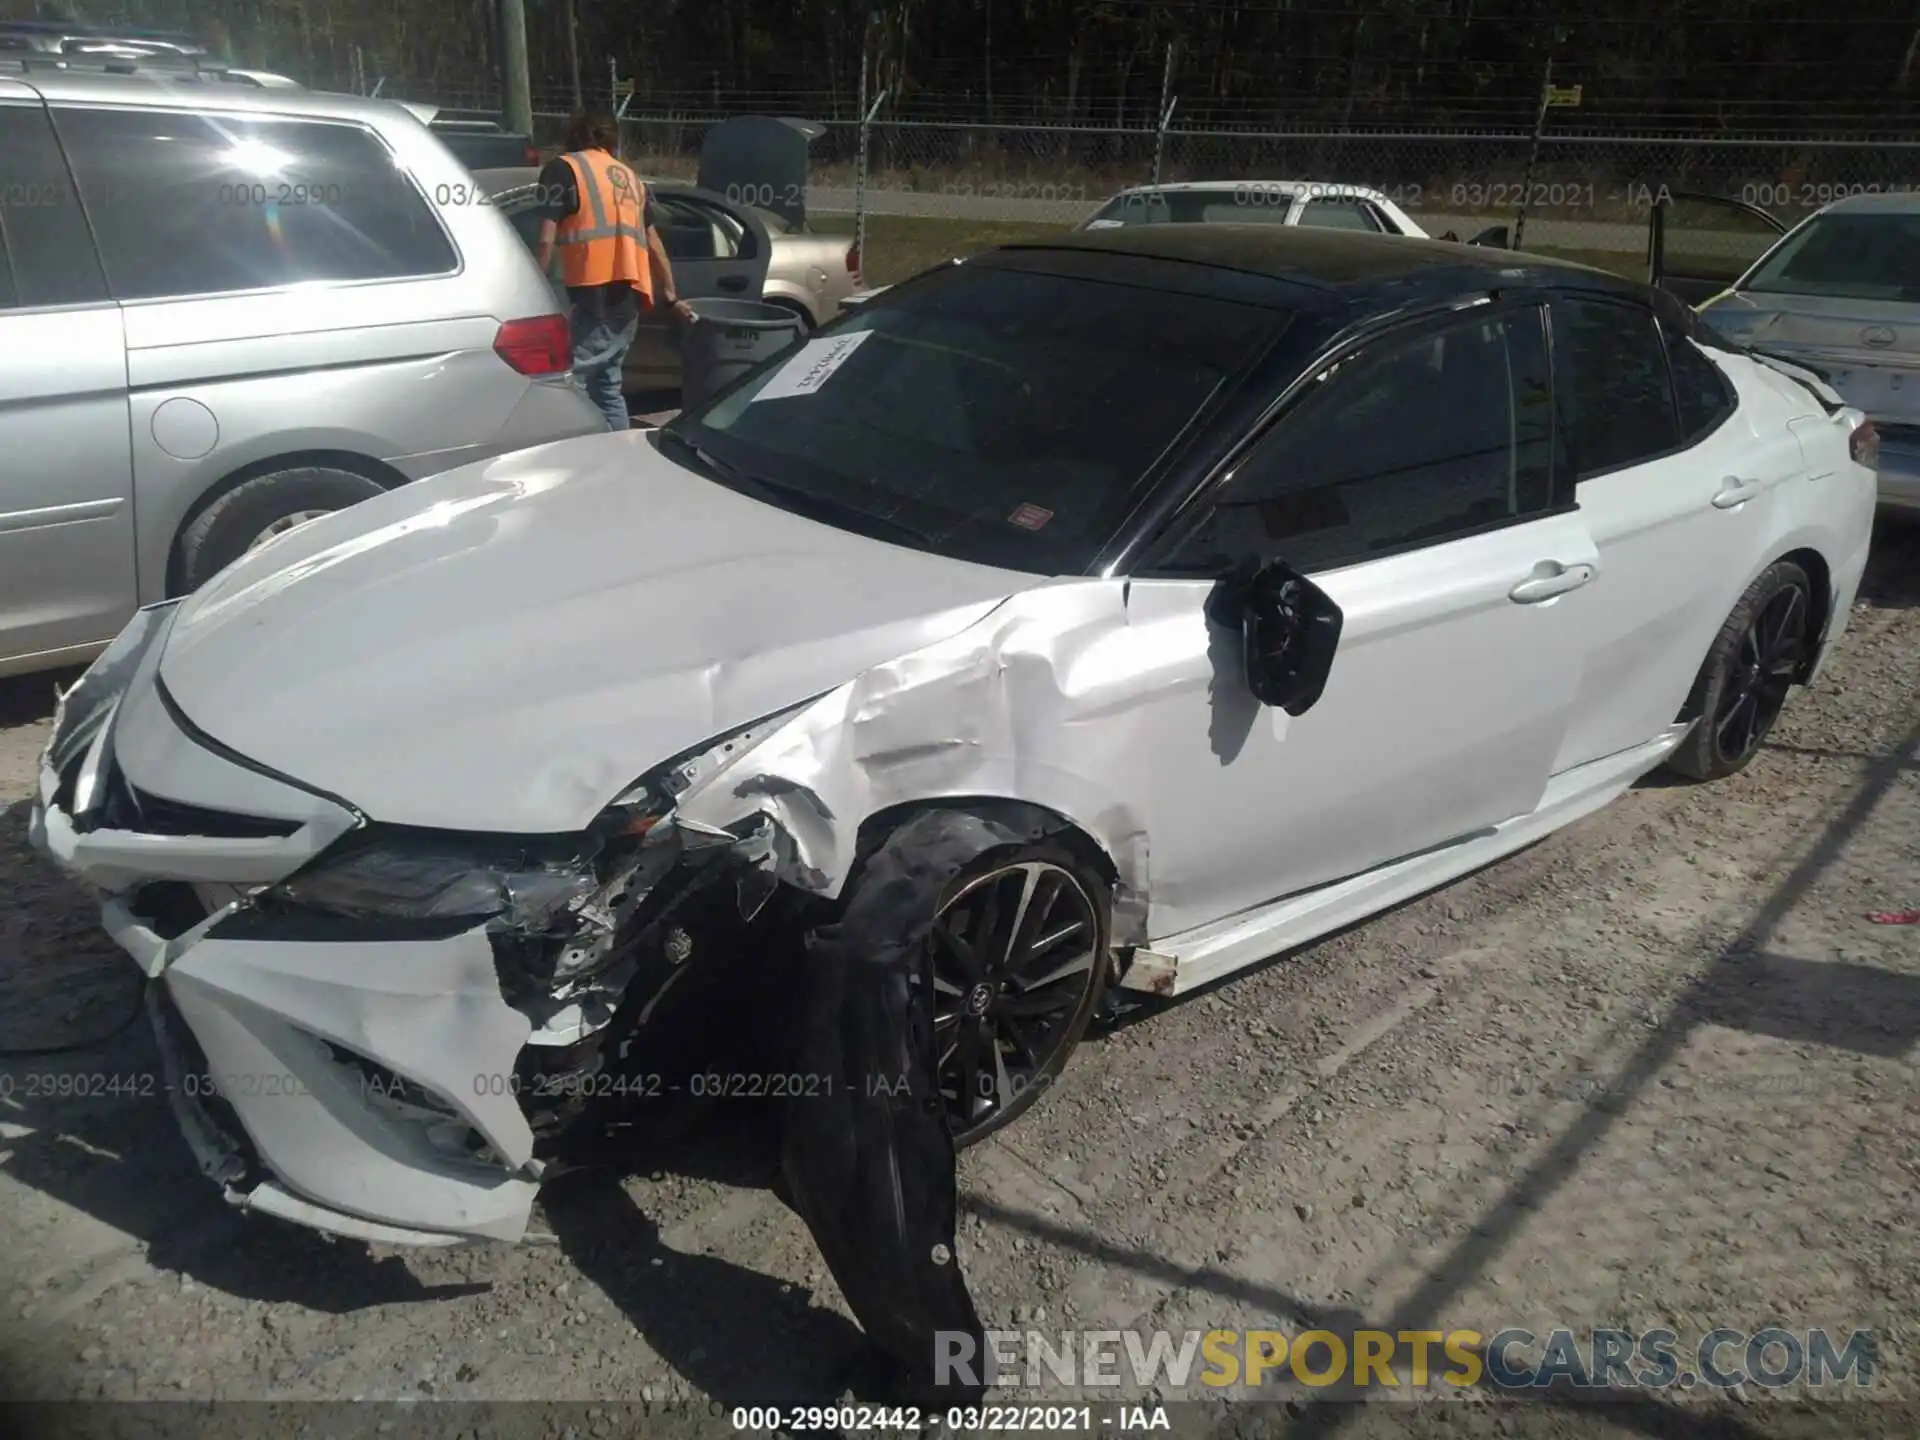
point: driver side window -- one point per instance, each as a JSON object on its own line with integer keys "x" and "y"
{"x": 1410, "y": 443}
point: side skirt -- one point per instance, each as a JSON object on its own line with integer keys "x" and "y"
{"x": 1181, "y": 963}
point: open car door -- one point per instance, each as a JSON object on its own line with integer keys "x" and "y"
{"x": 1698, "y": 245}
{"x": 719, "y": 250}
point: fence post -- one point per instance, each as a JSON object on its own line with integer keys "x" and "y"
{"x": 1533, "y": 151}
{"x": 1167, "y": 102}
{"x": 860, "y": 165}
{"x": 867, "y": 112}
{"x": 573, "y": 55}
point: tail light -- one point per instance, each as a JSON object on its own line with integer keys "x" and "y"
{"x": 853, "y": 258}
{"x": 539, "y": 345}
{"x": 530, "y": 156}
{"x": 1864, "y": 444}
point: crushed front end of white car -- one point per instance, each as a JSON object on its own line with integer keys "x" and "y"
{"x": 394, "y": 1030}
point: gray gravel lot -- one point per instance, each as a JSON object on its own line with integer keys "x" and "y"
{"x": 1657, "y": 1070}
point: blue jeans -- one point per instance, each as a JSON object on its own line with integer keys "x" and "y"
{"x": 601, "y": 339}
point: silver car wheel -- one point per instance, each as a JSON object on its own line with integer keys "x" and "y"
{"x": 283, "y": 525}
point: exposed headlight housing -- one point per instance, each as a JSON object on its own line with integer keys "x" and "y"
{"x": 525, "y": 881}
{"x": 528, "y": 884}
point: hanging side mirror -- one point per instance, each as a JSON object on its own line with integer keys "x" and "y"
{"x": 1289, "y": 631}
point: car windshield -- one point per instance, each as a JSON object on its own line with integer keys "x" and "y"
{"x": 1854, "y": 256}
{"x": 1248, "y": 204}
{"x": 996, "y": 416}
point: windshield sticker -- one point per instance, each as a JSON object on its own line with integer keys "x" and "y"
{"x": 812, "y": 367}
{"x": 1029, "y": 517}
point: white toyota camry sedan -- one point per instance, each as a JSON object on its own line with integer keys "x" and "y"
{"x": 1094, "y": 616}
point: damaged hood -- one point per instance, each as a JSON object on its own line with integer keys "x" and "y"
{"x": 507, "y": 646}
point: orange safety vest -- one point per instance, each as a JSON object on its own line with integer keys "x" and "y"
{"x": 605, "y": 238}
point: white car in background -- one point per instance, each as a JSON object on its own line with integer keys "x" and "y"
{"x": 1103, "y": 614}
{"x": 1837, "y": 293}
{"x": 1318, "y": 204}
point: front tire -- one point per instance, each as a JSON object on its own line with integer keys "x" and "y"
{"x": 256, "y": 510}
{"x": 1020, "y": 962}
{"x": 1755, "y": 660}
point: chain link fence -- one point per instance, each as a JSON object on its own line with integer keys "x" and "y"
{"x": 1585, "y": 194}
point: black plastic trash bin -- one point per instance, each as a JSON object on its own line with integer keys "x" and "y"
{"x": 728, "y": 338}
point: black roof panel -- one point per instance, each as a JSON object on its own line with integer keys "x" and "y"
{"x": 1336, "y": 260}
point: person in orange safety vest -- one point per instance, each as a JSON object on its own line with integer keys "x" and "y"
{"x": 600, "y": 217}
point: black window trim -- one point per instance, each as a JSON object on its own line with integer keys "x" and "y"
{"x": 1178, "y": 526}
{"x": 1649, "y": 312}
{"x": 1671, "y": 336}
{"x": 56, "y": 107}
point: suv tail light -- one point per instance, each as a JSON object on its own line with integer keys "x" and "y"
{"x": 539, "y": 345}
{"x": 853, "y": 258}
{"x": 1864, "y": 445}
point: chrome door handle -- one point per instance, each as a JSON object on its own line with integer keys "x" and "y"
{"x": 1735, "y": 492}
{"x": 1550, "y": 578}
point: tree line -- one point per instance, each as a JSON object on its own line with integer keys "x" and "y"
{"x": 1708, "y": 64}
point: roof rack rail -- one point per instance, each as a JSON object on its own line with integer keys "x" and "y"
{"x": 167, "y": 65}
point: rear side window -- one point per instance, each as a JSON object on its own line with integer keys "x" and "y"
{"x": 1425, "y": 440}
{"x": 196, "y": 204}
{"x": 1340, "y": 215}
{"x": 690, "y": 231}
{"x": 1700, "y": 391}
{"x": 1610, "y": 371}
{"x": 46, "y": 254}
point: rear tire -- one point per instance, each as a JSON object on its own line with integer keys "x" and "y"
{"x": 235, "y": 521}
{"x": 1755, "y": 660}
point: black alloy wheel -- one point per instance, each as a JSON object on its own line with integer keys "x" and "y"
{"x": 1019, "y": 962}
{"x": 1759, "y": 655}
{"x": 1772, "y": 650}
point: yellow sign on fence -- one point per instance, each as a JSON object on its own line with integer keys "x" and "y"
{"x": 1567, "y": 96}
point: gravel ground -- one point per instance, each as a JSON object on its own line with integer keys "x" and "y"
{"x": 1657, "y": 1070}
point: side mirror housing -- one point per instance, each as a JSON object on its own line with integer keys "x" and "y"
{"x": 1289, "y": 631}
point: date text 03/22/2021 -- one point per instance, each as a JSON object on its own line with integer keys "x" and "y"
{"x": 704, "y": 1085}
{"x": 877, "y": 1420}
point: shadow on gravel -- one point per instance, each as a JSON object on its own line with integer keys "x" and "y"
{"x": 27, "y": 698}
{"x": 1892, "y": 581}
{"x": 742, "y": 1337}
{"x": 1847, "y": 1006}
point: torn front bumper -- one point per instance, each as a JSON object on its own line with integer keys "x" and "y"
{"x": 355, "y": 1079}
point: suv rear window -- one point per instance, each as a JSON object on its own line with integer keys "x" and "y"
{"x": 196, "y": 204}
